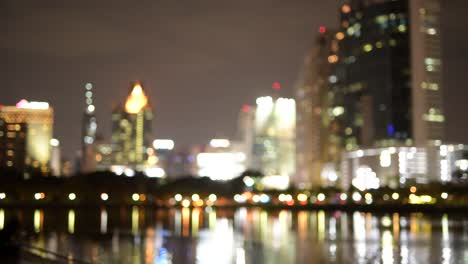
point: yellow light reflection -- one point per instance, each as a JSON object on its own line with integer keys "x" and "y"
{"x": 185, "y": 221}
{"x": 135, "y": 220}
{"x": 71, "y": 221}
{"x": 38, "y": 220}
{"x": 387, "y": 247}
{"x": 195, "y": 221}
{"x": 2, "y": 219}
{"x": 321, "y": 225}
{"x": 396, "y": 225}
{"x": 445, "y": 227}
{"x": 302, "y": 224}
{"x": 137, "y": 100}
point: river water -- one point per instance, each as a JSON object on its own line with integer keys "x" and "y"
{"x": 244, "y": 235}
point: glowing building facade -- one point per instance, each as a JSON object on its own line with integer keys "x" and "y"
{"x": 89, "y": 128}
{"x": 131, "y": 130}
{"x": 317, "y": 124}
{"x": 426, "y": 69}
{"x": 25, "y": 134}
{"x": 274, "y": 137}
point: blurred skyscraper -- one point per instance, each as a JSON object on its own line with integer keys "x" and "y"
{"x": 383, "y": 88}
{"x": 25, "y": 134}
{"x": 317, "y": 120}
{"x": 131, "y": 129}
{"x": 274, "y": 139}
{"x": 89, "y": 128}
{"x": 388, "y": 69}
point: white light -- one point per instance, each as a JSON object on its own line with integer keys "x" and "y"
{"x": 212, "y": 198}
{"x": 356, "y": 196}
{"x": 395, "y": 196}
{"x": 167, "y": 144}
{"x": 338, "y": 110}
{"x": 195, "y": 197}
{"x": 256, "y": 198}
{"x": 178, "y": 197}
{"x": 220, "y": 165}
{"x": 89, "y": 86}
{"x": 37, "y": 196}
{"x": 462, "y": 164}
{"x": 23, "y": 104}
{"x": 264, "y": 198}
{"x": 155, "y": 172}
{"x": 321, "y": 197}
{"x": 385, "y": 159}
{"x": 118, "y": 170}
{"x": 444, "y": 195}
{"x": 54, "y": 142}
{"x": 240, "y": 198}
{"x": 220, "y": 143}
{"x": 129, "y": 172}
{"x": 343, "y": 196}
{"x": 185, "y": 203}
{"x": 365, "y": 179}
{"x": 104, "y": 196}
{"x": 71, "y": 196}
{"x": 2, "y": 196}
{"x": 248, "y": 181}
{"x": 360, "y": 153}
{"x": 275, "y": 182}
{"x": 135, "y": 197}
{"x": 91, "y": 108}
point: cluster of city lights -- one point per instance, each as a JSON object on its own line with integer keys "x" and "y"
{"x": 194, "y": 200}
{"x": 302, "y": 198}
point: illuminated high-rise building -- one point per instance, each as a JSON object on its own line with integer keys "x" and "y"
{"x": 245, "y": 131}
{"x": 274, "y": 139}
{"x": 317, "y": 145}
{"x": 25, "y": 134}
{"x": 426, "y": 72}
{"x": 89, "y": 128}
{"x": 131, "y": 129}
{"x": 388, "y": 69}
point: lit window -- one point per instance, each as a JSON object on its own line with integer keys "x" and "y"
{"x": 340, "y": 36}
{"x": 332, "y": 59}
{"x": 367, "y": 47}
{"x": 345, "y": 9}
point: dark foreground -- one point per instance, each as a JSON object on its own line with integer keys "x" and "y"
{"x": 243, "y": 235}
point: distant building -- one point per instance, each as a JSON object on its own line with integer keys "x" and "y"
{"x": 131, "y": 130}
{"x": 274, "y": 138}
{"x": 221, "y": 160}
{"x": 25, "y": 134}
{"x": 89, "y": 128}
{"x": 388, "y": 70}
{"x": 246, "y": 130}
{"x": 55, "y": 158}
{"x": 317, "y": 123}
{"x": 402, "y": 166}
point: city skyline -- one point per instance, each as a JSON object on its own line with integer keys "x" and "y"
{"x": 224, "y": 93}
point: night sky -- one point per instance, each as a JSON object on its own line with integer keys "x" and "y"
{"x": 199, "y": 61}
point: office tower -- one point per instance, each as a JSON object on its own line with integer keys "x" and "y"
{"x": 274, "y": 138}
{"x": 317, "y": 146}
{"x": 426, "y": 70}
{"x": 89, "y": 128}
{"x": 25, "y": 134}
{"x": 131, "y": 129}
{"x": 245, "y": 127}
{"x": 388, "y": 69}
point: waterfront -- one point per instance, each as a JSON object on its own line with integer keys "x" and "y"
{"x": 205, "y": 235}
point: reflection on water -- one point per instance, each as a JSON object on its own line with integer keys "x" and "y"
{"x": 208, "y": 235}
